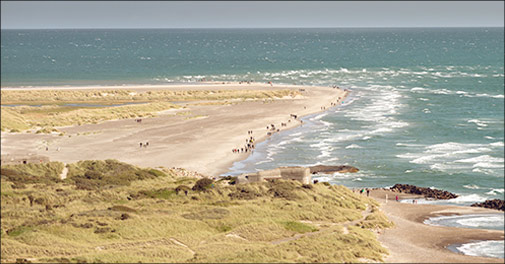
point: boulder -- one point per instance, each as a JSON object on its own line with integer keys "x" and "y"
{"x": 331, "y": 169}
{"x": 491, "y": 204}
{"x": 426, "y": 192}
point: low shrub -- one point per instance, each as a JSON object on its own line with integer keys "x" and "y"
{"x": 203, "y": 184}
{"x": 244, "y": 193}
{"x": 307, "y": 186}
{"x": 95, "y": 174}
{"x": 283, "y": 189}
{"x": 32, "y": 173}
{"x": 182, "y": 188}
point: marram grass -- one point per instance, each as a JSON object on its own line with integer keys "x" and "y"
{"x": 54, "y": 112}
{"x": 139, "y": 217}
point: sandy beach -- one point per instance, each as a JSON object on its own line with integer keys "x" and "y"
{"x": 197, "y": 137}
{"x": 200, "y": 137}
{"x": 412, "y": 241}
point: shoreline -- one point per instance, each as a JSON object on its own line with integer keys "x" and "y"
{"x": 175, "y": 85}
{"x": 265, "y": 138}
{"x": 198, "y": 138}
{"x": 411, "y": 240}
{"x": 202, "y": 141}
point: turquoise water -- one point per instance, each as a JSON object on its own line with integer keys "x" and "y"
{"x": 426, "y": 108}
{"x": 67, "y": 57}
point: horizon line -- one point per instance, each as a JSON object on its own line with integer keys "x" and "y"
{"x": 358, "y": 27}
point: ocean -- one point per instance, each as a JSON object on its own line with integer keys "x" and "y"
{"x": 426, "y": 104}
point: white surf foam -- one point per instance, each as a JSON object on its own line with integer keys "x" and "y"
{"x": 485, "y": 171}
{"x": 477, "y": 122}
{"x": 486, "y": 221}
{"x": 482, "y": 159}
{"x": 471, "y": 186}
{"x": 487, "y": 165}
{"x": 488, "y": 248}
{"x": 353, "y": 146}
{"x": 469, "y": 198}
{"x": 452, "y": 156}
{"x": 495, "y": 191}
{"x": 330, "y": 160}
{"x": 497, "y": 144}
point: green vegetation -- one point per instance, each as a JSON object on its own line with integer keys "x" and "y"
{"x": 46, "y": 173}
{"x": 49, "y": 116}
{"x": 298, "y": 227}
{"x": 54, "y": 112}
{"x": 125, "y": 96}
{"x": 97, "y": 174}
{"x": 130, "y": 214}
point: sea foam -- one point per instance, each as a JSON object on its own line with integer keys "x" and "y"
{"x": 488, "y": 248}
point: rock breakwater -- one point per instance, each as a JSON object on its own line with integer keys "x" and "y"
{"x": 426, "y": 192}
{"x": 491, "y": 204}
{"x": 331, "y": 169}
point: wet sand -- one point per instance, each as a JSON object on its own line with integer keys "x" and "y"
{"x": 412, "y": 241}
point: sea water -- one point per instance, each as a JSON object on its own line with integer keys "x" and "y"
{"x": 426, "y": 105}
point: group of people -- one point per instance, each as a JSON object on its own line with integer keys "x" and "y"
{"x": 138, "y": 120}
{"x": 249, "y": 144}
{"x": 363, "y": 191}
{"x": 145, "y": 145}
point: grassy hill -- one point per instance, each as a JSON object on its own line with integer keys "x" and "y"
{"x": 108, "y": 211}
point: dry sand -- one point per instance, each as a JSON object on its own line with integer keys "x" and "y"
{"x": 201, "y": 140}
{"x": 412, "y": 241}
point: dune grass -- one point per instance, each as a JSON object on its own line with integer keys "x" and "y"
{"x": 54, "y": 112}
{"x": 124, "y": 96}
{"x": 49, "y": 116}
{"x": 138, "y": 216}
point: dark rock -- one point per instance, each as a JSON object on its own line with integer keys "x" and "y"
{"x": 426, "y": 192}
{"x": 331, "y": 169}
{"x": 491, "y": 204}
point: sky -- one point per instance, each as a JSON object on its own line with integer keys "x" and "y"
{"x": 249, "y": 14}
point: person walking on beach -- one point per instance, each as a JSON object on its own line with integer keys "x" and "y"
{"x": 397, "y": 198}
{"x": 367, "y": 192}
{"x": 140, "y": 144}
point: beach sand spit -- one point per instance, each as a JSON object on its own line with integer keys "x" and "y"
{"x": 179, "y": 140}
